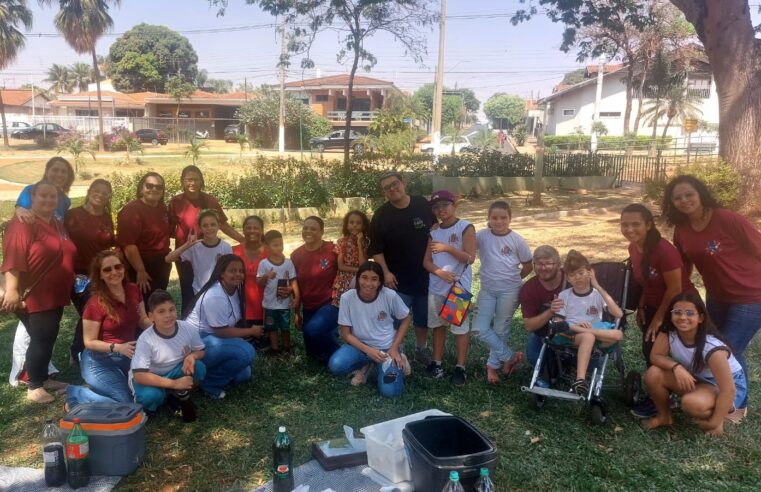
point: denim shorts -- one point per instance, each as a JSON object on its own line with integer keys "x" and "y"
{"x": 741, "y": 387}
{"x": 418, "y": 304}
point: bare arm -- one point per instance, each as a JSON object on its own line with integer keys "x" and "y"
{"x": 296, "y": 302}
{"x": 133, "y": 256}
{"x": 390, "y": 278}
{"x": 348, "y": 337}
{"x": 673, "y": 280}
{"x": 613, "y": 308}
{"x": 399, "y": 339}
{"x": 719, "y": 364}
{"x": 147, "y": 378}
{"x": 526, "y": 268}
{"x": 91, "y": 332}
{"x": 659, "y": 357}
{"x": 12, "y": 296}
{"x": 144, "y": 322}
{"x": 177, "y": 253}
{"x": 537, "y": 322}
{"x": 230, "y": 231}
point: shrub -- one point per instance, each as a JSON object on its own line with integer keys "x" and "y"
{"x": 520, "y": 133}
{"x": 721, "y": 179}
{"x": 487, "y": 163}
{"x": 570, "y": 142}
{"x": 46, "y": 142}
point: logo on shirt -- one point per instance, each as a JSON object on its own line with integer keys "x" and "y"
{"x": 324, "y": 263}
{"x": 713, "y": 247}
{"x": 382, "y": 316}
{"x": 418, "y": 223}
{"x": 652, "y": 273}
{"x": 453, "y": 238}
{"x": 506, "y": 250}
{"x": 592, "y": 311}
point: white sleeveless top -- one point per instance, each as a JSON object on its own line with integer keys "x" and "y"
{"x": 683, "y": 353}
{"x": 452, "y": 236}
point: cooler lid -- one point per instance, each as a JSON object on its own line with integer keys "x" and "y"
{"x": 107, "y": 416}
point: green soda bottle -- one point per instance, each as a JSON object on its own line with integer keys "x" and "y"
{"x": 282, "y": 461}
{"x": 77, "y": 456}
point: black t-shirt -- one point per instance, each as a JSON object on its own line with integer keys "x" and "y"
{"x": 401, "y": 234}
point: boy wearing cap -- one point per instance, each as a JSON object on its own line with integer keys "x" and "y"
{"x": 451, "y": 251}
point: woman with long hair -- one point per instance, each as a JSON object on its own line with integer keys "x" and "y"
{"x": 113, "y": 318}
{"x": 725, "y": 247}
{"x": 218, "y": 312}
{"x": 252, "y": 251}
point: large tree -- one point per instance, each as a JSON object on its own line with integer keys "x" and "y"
{"x": 508, "y": 107}
{"x": 726, "y": 31}
{"x": 144, "y": 57}
{"x": 81, "y": 75}
{"x": 355, "y": 21}
{"x": 13, "y": 15}
{"x": 82, "y": 23}
{"x": 458, "y": 106}
{"x": 59, "y": 77}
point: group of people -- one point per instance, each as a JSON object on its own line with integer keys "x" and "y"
{"x": 397, "y": 270}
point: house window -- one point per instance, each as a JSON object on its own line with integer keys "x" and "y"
{"x": 165, "y": 114}
{"x": 610, "y": 114}
{"x": 202, "y": 114}
{"x": 321, "y": 98}
{"x": 569, "y": 112}
{"x": 341, "y": 104}
{"x": 184, "y": 114}
{"x": 361, "y": 105}
{"x": 86, "y": 112}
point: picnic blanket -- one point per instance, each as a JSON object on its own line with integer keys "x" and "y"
{"x": 33, "y": 480}
{"x": 341, "y": 480}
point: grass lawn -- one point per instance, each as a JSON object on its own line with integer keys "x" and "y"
{"x": 557, "y": 448}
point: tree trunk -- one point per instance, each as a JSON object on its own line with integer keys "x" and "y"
{"x": 666, "y": 128}
{"x": 640, "y": 95}
{"x": 726, "y": 30}
{"x": 2, "y": 115}
{"x": 629, "y": 95}
{"x": 350, "y": 105}
{"x": 101, "y": 147}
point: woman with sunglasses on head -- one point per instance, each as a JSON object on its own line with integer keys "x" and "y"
{"x": 113, "y": 317}
{"x": 143, "y": 234}
{"x": 725, "y": 247}
{"x": 91, "y": 228}
{"x": 183, "y": 221}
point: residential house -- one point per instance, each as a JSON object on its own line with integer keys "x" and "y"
{"x": 19, "y": 104}
{"x": 327, "y": 97}
{"x": 572, "y": 107}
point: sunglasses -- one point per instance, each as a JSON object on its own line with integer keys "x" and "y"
{"x": 151, "y": 186}
{"x": 118, "y": 267}
{"x": 687, "y": 312}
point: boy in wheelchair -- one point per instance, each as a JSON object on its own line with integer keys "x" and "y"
{"x": 579, "y": 324}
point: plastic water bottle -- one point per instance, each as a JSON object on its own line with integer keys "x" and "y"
{"x": 282, "y": 478}
{"x": 484, "y": 483}
{"x": 78, "y": 454}
{"x": 52, "y": 454}
{"x": 454, "y": 484}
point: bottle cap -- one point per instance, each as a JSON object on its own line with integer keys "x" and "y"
{"x": 281, "y": 428}
{"x": 76, "y": 420}
{"x": 454, "y": 476}
{"x": 484, "y": 472}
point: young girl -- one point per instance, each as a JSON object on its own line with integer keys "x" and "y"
{"x": 691, "y": 358}
{"x": 202, "y": 253}
{"x": 505, "y": 260}
{"x": 351, "y": 250}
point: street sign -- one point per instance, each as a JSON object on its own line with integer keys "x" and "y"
{"x": 690, "y": 124}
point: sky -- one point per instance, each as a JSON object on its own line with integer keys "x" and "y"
{"x": 483, "y": 51}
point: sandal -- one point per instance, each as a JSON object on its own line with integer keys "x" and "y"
{"x": 360, "y": 375}
{"x": 510, "y": 366}
{"x": 736, "y": 415}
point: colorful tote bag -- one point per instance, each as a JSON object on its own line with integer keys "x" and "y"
{"x": 456, "y": 305}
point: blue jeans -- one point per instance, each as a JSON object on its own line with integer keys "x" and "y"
{"x": 321, "y": 331}
{"x": 349, "y": 358}
{"x": 106, "y": 373}
{"x": 533, "y": 347}
{"x": 152, "y": 397}
{"x": 500, "y": 306}
{"x": 227, "y": 360}
{"x": 739, "y": 323}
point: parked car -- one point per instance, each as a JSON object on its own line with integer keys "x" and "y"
{"x": 232, "y": 131}
{"x": 153, "y": 136}
{"x": 39, "y": 130}
{"x": 335, "y": 140}
{"x": 445, "y": 147}
{"x": 14, "y": 125}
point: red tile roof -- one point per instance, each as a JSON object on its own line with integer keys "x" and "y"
{"x": 18, "y": 97}
{"x": 338, "y": 80}
{"x": 118, "y": 99}
{"x": 607, "y": 68}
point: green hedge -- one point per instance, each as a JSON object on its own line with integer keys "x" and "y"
{"x": 583, "y": 142}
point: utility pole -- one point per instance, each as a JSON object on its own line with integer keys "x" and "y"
{"x": 439, "y": 83}
{"x": 539, "y": 168}
{"x": 598, "y": 97}
{"x": 281, "y": 130}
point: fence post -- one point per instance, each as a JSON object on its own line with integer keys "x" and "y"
{"x": 538, "y": 168}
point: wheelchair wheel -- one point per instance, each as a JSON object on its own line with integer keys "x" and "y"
{"x": 632, "y": 388}
{"x": 599, "y": 412}
{"x": 537, "y": 401}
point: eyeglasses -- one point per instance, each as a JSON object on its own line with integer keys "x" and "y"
{"x": 687, "y": 312}
{"x": 118, "y": 267}
{"x": 151, "y": 186}
{"x": 392, "y": 186}
{"x": 549, "y": 264}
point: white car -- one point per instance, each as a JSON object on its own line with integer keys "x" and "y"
{"x": 14, "y": 125}
{"x": 445, "y": 147}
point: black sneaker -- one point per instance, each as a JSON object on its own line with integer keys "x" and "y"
{"x": 187, "y": 407}
{"x": 459, "y": 377}
{"x": 644, "y": 409}
{"x": 434, "y": 371}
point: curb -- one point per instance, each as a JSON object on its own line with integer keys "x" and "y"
{"x": 569, "y": 213}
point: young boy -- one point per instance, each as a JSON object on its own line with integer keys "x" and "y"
{"x": 278, "y": 277}
{"x": 167, "y": 358}
{"x": 583, "y": 304}
{"x": 451, "y": 249}
{"x": 202, "y": 254}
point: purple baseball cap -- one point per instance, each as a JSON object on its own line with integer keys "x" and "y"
{"x": 442, "y": 195}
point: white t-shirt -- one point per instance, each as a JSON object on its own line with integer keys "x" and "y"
{"x": 203, "y": 259}
{"x": 283, "y": 271}
{"x": 158, "y": 354}
{"x": 215, "y": 309}
{"x": 684, "y": 354}
{"x": 501, "y": 260}
{"x": 372, "y": 322}
{"x": 578, "y": 308}
{"x": 452, "y": 236}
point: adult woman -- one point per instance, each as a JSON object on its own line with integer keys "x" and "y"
{"x": 113, "y": 316}
{"x": 316, "y": 267}
{"x": 183, "y": 214}
{"x": 366, "y": 317}
{"x": 252, "y": 251}
{"x": 38, "y": 263}
{"x": 726, "y": 249}
{"x": 217, "y": 311}
{"x": 91, "y": 228}
{"x": 143, "y": 234}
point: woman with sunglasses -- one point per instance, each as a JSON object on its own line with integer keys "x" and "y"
{"x": 91, "y": 228}
{"x": 143, "y": 234}
{"x": 183, "y": 221}
{"x": 113, "y": 317}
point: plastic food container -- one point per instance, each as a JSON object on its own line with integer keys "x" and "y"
{"x": 385, "y": 447}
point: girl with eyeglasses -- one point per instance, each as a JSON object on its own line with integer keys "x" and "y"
{"x": 113, "y": 318}
{"x": 691, "y": 358}
{"x": 143, "y": 233}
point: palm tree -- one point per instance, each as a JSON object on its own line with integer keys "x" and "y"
{"x": 13, "y": 13}
{"x": 59, "y": 77}
{"x": 82, "y": 23}
{"x": 680, "y": 104}
{"x": 81, "y": 75}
